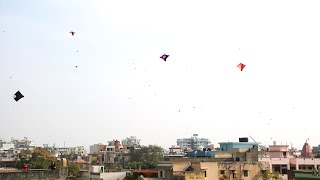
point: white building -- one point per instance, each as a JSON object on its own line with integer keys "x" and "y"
{"x": 97, "y": 173}
{"x": 131, "y": 141}
{"x": 79, "y": 150}
{"x": 25, "y": 143}
{"x": 194, "y": 142}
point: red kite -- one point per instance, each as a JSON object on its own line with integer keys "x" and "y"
{"x": 241, "y": 66}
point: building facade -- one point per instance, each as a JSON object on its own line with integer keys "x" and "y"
{"x": 194, "y": 142}
{"x": 131, "y": 141}
{"x": 280, "y": 160}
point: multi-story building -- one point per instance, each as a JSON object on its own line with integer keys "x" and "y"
{"x": 131, "y": 141}
{"x": 224, "y": 166}
{"x": 280, "y": 160}
{"x": 24, "y": 144}
{"x": 96, "y": 148}
{"x": 79, "y": 150}
{"x": 194, "y": 142}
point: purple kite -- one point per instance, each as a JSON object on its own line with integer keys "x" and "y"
{"x": 164, "y": 57}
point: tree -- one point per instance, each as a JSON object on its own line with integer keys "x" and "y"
{"x": 37, "y": 159}
{"x": 147, "y": 156}
{"x": 132, "y": 165}
{"x": 271, "y": 176}
{"x": 73, "y": 169}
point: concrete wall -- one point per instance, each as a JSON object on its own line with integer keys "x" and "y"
{"x": 113, "y": 175}
{"x": 33, "y": 175}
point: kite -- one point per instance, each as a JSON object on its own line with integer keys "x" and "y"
{"x": 18, "y": 96}
{"x": 76, "y": 66}
{"x": 241, "y": 66}
{"x": 72, "y": 33}
{"x": 164, "y": 57}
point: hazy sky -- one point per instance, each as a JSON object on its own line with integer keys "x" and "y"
{"x": 122, "y": 88}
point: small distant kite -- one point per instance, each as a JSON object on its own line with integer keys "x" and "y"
{"x": 241, "y": 66}
{"x": 72, "y": 33}
{"x": 76, "y": 66}
{"x": 164, "y": 57}
{"x": 17, "y": 96}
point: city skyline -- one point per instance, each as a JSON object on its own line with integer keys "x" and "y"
{"x": 108, "y": 80}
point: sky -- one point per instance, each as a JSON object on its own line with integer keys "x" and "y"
{"x": 122, "y": 88}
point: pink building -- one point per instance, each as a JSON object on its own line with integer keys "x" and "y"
{"x": 280, "y": 160}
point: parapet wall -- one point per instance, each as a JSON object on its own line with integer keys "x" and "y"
{"x": 33, "y": 175}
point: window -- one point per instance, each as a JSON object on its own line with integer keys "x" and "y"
{"x": 245, "y": 173}
{"x": 284, "y": 171}
{"x": 222, "y": 172}
{"x": 237, "y": 159}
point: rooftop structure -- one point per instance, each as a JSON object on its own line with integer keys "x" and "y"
{"x": 306, "y": 151}
{"x": 243, "y": 143}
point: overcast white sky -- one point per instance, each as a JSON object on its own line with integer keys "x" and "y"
{"x": 122, "y": 88}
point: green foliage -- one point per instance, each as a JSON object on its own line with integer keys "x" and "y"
{"x": 36, "y": 159}
{"x": 271, "y": 176}
{"x": 148, "y": 156}
{"x": 73, "y": 169}
{"x": 132, "y": 165}
{"x": 114, "y": 168}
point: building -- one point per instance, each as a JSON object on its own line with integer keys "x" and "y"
{"x": 305, "y": 175}
{"x": 243, "y": 143}
{"x": 96, "y": 148}
{"x": 213, "y": 168}
{"x": 174, "y": 151}
{"x": 306, "y": 151}
{"x": 316, "y": 150}
{"x": 98, "y": 173}
{"x": 23, "y": 144}
{"x": 79, "y": 150}
{"x": 8, "y": 150}
{"x": 194, "y": 142}
{"x": 165, "y": 170}
{"x": 280, "y": 160}
{"x": 232, "y": 164}
{"x": 6, "y": 162}
{"x": 131, "y": 141}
